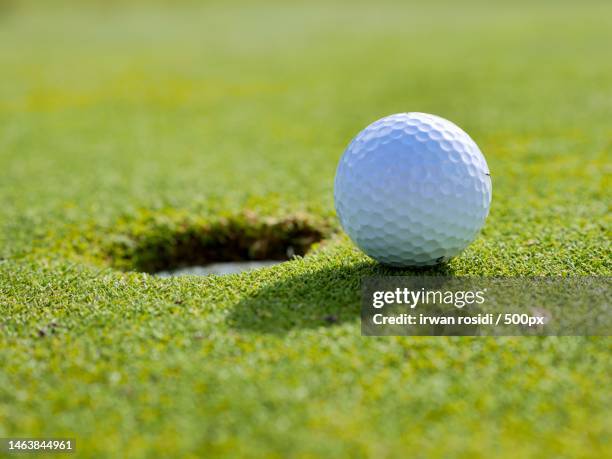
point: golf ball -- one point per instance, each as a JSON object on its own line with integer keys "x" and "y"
{"x": 412, "y": 189}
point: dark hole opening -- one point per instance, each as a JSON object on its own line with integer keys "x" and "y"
{"x": 242, "y": 240}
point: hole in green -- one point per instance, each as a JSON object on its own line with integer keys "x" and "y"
{"x": 192, "y": 245}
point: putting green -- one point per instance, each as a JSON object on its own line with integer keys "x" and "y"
{"x": 125, "y": 127}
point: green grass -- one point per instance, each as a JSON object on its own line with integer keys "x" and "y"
{"x": 112, "y": 117}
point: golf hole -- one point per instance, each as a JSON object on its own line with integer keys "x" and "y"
{"x": 219, "y": 268}
{"x": 192, "y": 246}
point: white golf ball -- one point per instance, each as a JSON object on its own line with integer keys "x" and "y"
{"x": 412, "y": 189}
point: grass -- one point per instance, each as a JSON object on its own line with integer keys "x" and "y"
{"x": 109, "y": 114}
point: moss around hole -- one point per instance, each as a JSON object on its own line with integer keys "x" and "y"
{"x": 162, "y": 242}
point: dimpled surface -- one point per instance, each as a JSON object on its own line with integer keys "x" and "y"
{"x": 412, "y": 189}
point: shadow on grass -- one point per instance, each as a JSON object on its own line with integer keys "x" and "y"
{"x": 326, "y": 297}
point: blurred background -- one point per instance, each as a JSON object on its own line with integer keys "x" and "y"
{"x": 110, "y": 105}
